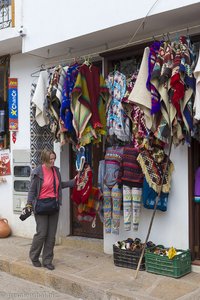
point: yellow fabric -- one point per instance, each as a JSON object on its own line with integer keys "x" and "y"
{"x": 171, "y": 253}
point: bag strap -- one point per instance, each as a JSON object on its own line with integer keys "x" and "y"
{"x": 54, "y": 181}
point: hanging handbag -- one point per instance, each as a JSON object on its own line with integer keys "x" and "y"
{"x": 48, "y": 206}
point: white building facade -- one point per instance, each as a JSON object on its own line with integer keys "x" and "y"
{"x": 48, "y": 33}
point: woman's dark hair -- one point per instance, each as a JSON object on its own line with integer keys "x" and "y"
{"x": 45, "y": 156}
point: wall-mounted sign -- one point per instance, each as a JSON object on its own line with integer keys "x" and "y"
{"x": 13, "y": 103}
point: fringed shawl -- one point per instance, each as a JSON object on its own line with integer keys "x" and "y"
{"x": 153, "y": 171}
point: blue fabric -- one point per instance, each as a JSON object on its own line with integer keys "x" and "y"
{"x": 88, "y": 154}
{"x": 65, "y": 110}
{"x": 149, "y": 198}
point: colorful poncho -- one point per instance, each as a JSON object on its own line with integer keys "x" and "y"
{"x": 65, "y": 110}
{"x": 153, "y": 167}
{"x": 89, "y": 98}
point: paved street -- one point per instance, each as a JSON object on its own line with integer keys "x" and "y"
{"x": 14, "y": 288}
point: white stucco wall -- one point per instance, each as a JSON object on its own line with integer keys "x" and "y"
{"x": 169, "y": 228}
{"x": 21, "y": 67}
{"x": 72, "y": 19}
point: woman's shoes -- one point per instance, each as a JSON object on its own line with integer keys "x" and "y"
{"x": 37, "y": 263}
{"x": 49, "y": 266}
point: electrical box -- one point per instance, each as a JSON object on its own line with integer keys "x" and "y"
{"x": 21, "y": 178}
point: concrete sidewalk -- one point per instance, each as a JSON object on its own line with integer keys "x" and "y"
{"x": 85, "y": 272}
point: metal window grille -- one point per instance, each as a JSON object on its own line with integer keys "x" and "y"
{"x": 5, "y": 13}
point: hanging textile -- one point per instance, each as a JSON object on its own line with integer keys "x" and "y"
{"x": 88, "y": 211}
{"x": 113, "y": 159}
{"x": 89, "y": 98}
{"x": 139, "y": 129}
{"x": 65, "y": 110}
{"x": 39, "y": 98}
{"x": 153, "y": 164}
{"x": 140, "y": 94}
{"x": 197, "y": 186}
{"x": 118, "y": 123}
{"x": 53, "y": 100}
{"x": 197, "y": 96}
{"x": 167, "y": 100}
{"x": 40, "y": 137}
{"x": 149, "y": 197}
{"x": 83, "y": 185}
{"x": 153, "y": 63}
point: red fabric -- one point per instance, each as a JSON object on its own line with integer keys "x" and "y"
{"x": 88, "y": 211}
{"x": 92, "y": 77}
{"x": 83, "y": 186}
{"x": 178, "y": 91}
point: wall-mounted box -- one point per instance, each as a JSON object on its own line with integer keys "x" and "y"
{"x": 21, "y": 178}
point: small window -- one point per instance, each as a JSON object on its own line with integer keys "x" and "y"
{"x": 21, "y": 185}
{"x": 22, "y": 171}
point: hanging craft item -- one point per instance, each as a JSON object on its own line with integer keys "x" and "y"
{"x": 118, "y": 124}
{"x": 14, "y": 137}
{"x": 87, "y": 212}
{"x": 83, "y": 185}
{"x": 80, "y": 159}
{"x": 88, "y": 105}
{"x": 153, "y": 164}
{"x": 5, "y": 162}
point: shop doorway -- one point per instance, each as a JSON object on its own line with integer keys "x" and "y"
{"x": 78, "y": 228}
{"x": 194, "y": 208}
{"x": 85, "y": 229}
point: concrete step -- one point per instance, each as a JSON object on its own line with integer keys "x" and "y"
{"x": 88, "y": 274}
{"x": 83, "y": 243}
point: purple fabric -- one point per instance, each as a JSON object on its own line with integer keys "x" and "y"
{"x": 151, "y": 61}
{"x": 155, "y": 97}
{"x": 197, "y": 183}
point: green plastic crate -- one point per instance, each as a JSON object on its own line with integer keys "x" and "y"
{"x": 177, "y": 267}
